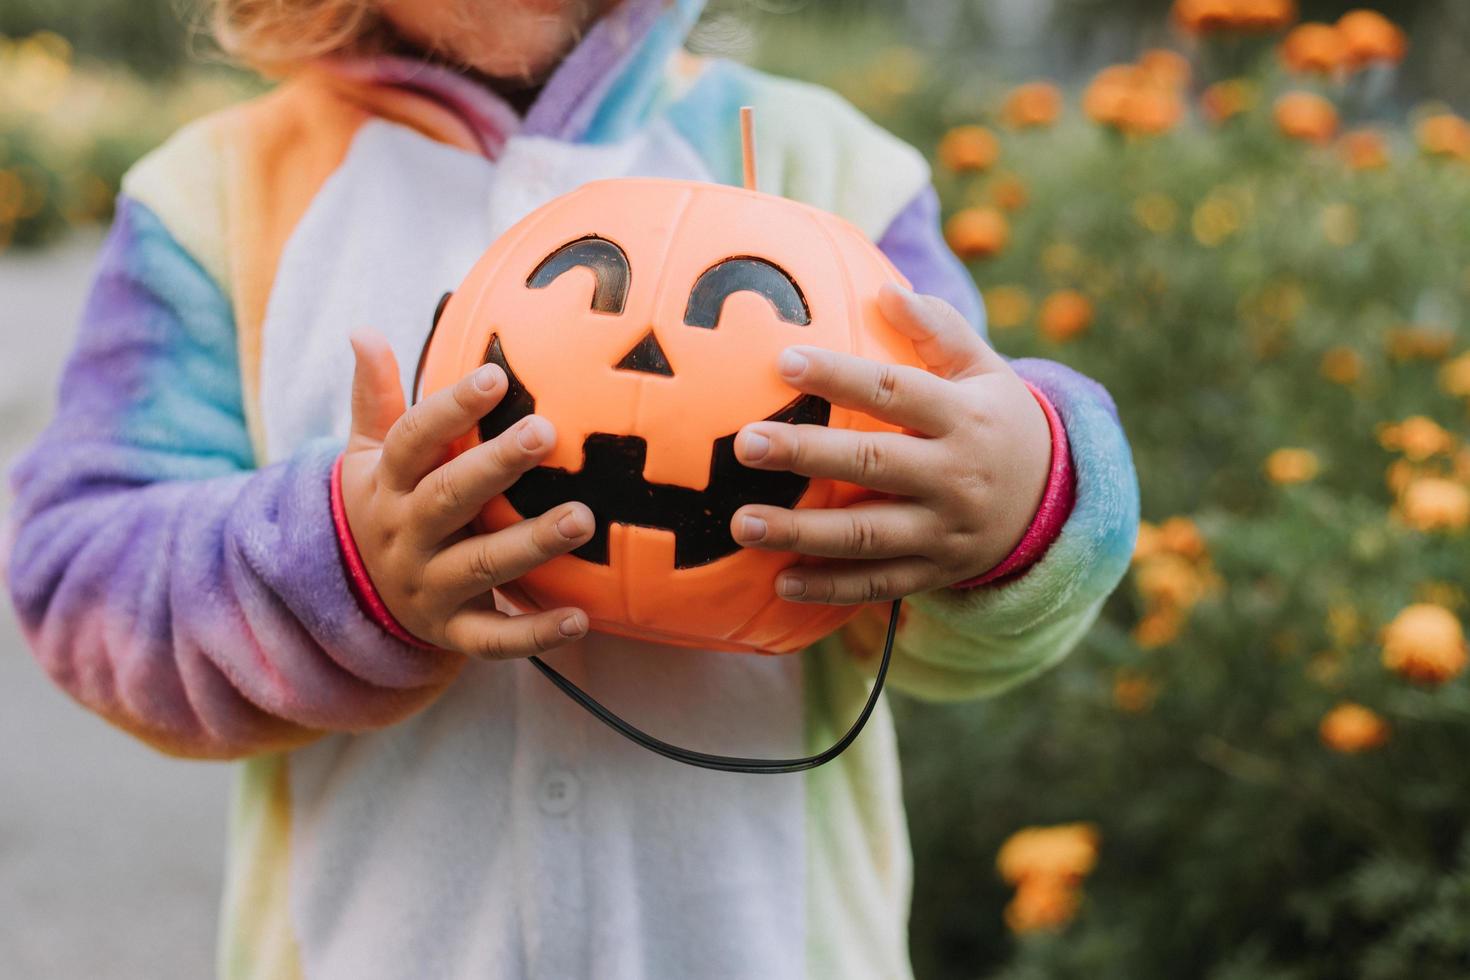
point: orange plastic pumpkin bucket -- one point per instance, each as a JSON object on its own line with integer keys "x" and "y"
{"x": 644, "y": 317}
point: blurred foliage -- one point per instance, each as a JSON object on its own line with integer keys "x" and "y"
{"x": 1254, "y": 766}
{"x": 1267, "y": 312}
{"x": 149, "y": 36}
{"x": 68, "y": 131}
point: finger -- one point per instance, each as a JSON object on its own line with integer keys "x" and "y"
{"x": 942, "y": 337}
{"x": 890, "y": 462}
{"x": 474, "y": 566}
{"x": 858, "y": 582}
{"x": 889, "y": 529}
{"x": 452, "y": 495}
{"x": 377, "y": 397}
{"x": 897, "y": 393}
{"x": 417, "y": 442}
{"x": 496, "y": 636}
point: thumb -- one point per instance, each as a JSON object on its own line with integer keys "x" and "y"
{"x": 377, "y": 394}
{"x": 944, "y": 340}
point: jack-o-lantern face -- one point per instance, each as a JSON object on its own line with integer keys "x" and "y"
{"x": 644, "y": 319}
{"x": 611, "y": 478}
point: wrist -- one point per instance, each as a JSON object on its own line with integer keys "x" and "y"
{"x": 369, "y": 600}
{"x": 1051, "y": 513}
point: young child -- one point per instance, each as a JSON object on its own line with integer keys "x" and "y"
{"x": 197, "y": 558}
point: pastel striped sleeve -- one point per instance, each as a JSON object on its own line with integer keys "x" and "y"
{"x": 164, "y": 583}
{"x": 961, "y": 643}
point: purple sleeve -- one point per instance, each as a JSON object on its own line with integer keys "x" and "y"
{"x": 914, "y": 243}
{"x": 163, "y": 582}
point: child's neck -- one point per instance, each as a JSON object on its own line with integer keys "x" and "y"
{"x": 518, "y": 93}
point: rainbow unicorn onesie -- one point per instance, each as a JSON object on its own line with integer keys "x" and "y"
{"x": 177, "y": 566}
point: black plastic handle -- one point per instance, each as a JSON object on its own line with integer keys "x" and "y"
{"x": 728, "y": 763}
{"x": 704, "y": 760}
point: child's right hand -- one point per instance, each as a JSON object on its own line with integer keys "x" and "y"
{"x": 409, "y": 510}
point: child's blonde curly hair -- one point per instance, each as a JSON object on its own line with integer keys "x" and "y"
{"x": 274, "y": 35}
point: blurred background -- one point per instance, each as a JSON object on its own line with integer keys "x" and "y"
{"x": 1250, "y": 219}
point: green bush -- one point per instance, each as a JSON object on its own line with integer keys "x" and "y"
{"x": 69, "y": 130}
{"x": 1231, "y": 273}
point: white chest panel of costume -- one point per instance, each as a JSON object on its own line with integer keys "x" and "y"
{"x": 502, "y": 832}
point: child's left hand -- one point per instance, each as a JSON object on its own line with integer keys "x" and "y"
{"x": 964, "y": 478}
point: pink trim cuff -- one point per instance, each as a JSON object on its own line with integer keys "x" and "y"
{"x": 368, "y": 599}
{"x": 1051, "y": 514}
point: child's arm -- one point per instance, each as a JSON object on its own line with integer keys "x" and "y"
{"x": 196, "y": 602}
{"x": 1032, "y": 600}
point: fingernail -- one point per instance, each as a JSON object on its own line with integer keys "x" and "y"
{"x": 571, "y": 626}
{"x": 752, "y": 528}
{"x": 790, "y": 586}
{"x": 755, "y": 446}
{"x": 791, "y": 364}
{"x": 487, "y": 377}
{"x": 570, "y": 526}
{"x": 529, "y": 436}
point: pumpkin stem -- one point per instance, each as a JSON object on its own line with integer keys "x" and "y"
{"x": 747, "y": 145}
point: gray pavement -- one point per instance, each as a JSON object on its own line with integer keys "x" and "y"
{"x": 110, "y": 854}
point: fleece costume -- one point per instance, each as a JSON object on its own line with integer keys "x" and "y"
{"x": 176, "y": 566}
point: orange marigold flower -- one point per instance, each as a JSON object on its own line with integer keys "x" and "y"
{"x": 1158, "y": 628}
{"x": 1181, "y": 536}
{"x": 1042, "y": 905}
{"x": 1435, "y": 504}
{"x": 1148, "y": 543}
{"x": 1364, "y": 149}
{"x": 1009, "y": 192}
{"x": 1454, "y": 377}
{"x": 1265, "y": 15}
{"x": 1007, "y": 306}
{"x": 1131, "y": 99}
{"x": 1165, "y": 68}
{"x": 1062, "y": 852}
{"x": 969, "y": 148}
{"x": 1417, "y": 437}
{"x": 1445, "y": 134}
{"x": 1369, "y": 36}
{"x": 1314, "y": 48}
{"x": 977, "y": 233}
{"x": 1103, "y": 101}
{"x": 1204, "y": 16}
{"x": 1425, "y": 643}
{"x": 1400, "y": 474}
{"x": 1228, "y": 99}
{"x": 1149, "y": 110}
{"x": 1351, "y": 728}
{"x": 1419, "y": 343}
{"x": 1342, "y": 365}
{"x": 1169, "y": 580}
{"x": 1210, "y": 16}
{"x": 1064, "y": 315}
{"x": 1134, "y": 693}
{"x": 1032, "y": 104}
{"x": 1287, "y": 466}
{"x": 1306, "y": 116}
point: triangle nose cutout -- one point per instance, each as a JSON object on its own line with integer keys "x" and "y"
{"x": 646, "y": 356}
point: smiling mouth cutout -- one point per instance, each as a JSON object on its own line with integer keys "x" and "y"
{"x": 612, "y": 485}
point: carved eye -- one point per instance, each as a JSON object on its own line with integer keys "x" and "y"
{"x": 608, "y": 263}
{"x": 745, "y": 274}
